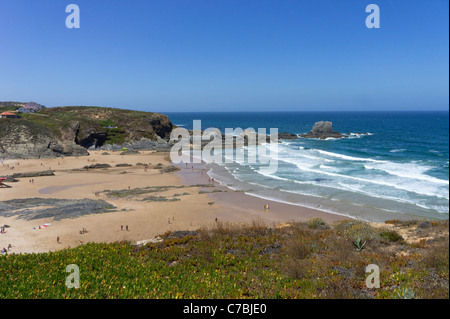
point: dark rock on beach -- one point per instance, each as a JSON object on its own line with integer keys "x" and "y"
{"x": 130, "y": 152}
{"x": 97, "y": 166}
{"x": 36, "y": 208}
{"x": 123, "y": 165}
{"x": 13, "y": 177}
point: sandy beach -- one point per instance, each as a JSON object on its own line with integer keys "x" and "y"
{"x": 132, "y": 219}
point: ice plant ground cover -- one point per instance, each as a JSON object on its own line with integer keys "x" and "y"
{"x": 298, "y": 260}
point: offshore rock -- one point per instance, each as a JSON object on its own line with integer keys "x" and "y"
{"x": 323, "y": 130}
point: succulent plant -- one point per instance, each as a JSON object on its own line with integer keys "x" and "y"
{"x": 405, "y": 293}
{"x": 359, "y": 244}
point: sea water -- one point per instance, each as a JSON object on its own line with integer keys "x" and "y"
{"x": 400, "y": 169}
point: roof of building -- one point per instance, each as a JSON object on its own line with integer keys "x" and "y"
{"x": 8, "y": 113}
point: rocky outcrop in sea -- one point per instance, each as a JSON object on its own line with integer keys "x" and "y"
{"x": 323, "y": 130}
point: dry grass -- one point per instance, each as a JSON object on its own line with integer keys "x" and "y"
{"x": 256, "y": 260}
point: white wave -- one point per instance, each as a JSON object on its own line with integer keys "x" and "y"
{"x": 358, "y": 135}
{"x": 396, "y": 150}
{"x": 407, "y": 185}
{"x": 407, "y": 170}
{"x": 354, "y": 188}
{"x": 350, "y": 158}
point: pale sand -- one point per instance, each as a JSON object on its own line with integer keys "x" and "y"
{"x": 145, "y": 220}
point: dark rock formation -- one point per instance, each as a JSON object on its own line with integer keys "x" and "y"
{"x": 13, "y": 177}
{"x": 71, "y": 131}
{"x": 97, "y": 166}
{"x": 20, "y": 138}
{"x": 123, "y": 165}
{"x": 57, "y": 209}
{"x": 130, "y": 152}
{"x": 323, "y": 130}
{"x": 287, "y": 136}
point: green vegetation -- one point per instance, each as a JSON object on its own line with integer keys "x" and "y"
{"x": 392, "y": 236}
{"x": 233, "y": 261}
{"x": 87, "y": 124}
{"x": 316, "y": 223}
{"x": 359, "y": 244}
{"x": 160, "y": 199}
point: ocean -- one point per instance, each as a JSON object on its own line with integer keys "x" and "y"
{"x": 399, "y": 170}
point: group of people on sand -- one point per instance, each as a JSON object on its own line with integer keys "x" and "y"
{"x": 4, "y": 250}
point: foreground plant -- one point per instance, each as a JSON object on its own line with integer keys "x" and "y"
{"x": 359, "y": 244}
{"x": 405, "y": 293}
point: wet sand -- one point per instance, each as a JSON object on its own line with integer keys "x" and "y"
{"x": 238, "y": 207}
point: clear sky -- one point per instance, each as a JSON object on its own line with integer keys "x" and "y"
{"x": 227, "y": 55}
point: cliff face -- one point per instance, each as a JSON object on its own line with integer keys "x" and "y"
{"x": 65, "y": 131}
{"x": 23, "y": 139}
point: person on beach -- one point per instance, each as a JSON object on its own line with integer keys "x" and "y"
{"x": 126, "y": 227}
{"x": 121, "y": 227}
{"x": 57, "y": 239}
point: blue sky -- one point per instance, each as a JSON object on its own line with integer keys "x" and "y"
{"x": 227, "y": 55}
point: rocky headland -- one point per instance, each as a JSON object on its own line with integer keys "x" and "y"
{"x": 72, "y": 131}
